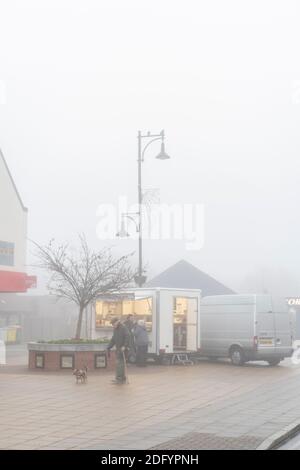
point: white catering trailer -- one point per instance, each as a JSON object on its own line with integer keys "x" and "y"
{"x": 172, "y": 318}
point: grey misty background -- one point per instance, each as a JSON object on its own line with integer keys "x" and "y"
{"x": 222, "y": 78}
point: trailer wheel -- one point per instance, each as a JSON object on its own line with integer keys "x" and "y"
{"x": 158, "y": 360}
{"x": 131, "y": 358}
{"x": 237, "y": 356}
{"x": 274, "y": 362}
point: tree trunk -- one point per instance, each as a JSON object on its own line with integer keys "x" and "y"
{"x": 79, "y": 323}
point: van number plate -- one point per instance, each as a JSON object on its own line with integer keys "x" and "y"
{"x": 266, "y": 341}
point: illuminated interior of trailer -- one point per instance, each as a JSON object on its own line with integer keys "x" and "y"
{"x": 180, "y": 309}
{"x": 184, "y": 323}
{"x": 140, "y": 308}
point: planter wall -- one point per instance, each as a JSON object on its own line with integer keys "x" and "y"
{"x": 54, "y": 357}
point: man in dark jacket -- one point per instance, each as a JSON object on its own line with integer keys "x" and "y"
{"x": 121, "y": 340}
{"x": 129, "y": 323}
{"x": 141, "y": 343}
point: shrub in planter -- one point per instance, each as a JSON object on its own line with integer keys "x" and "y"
{"x": 76, "y": 341}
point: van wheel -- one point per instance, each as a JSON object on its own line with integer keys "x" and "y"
{"x": 274, "y": 362}
{"x": 237, "y": 356}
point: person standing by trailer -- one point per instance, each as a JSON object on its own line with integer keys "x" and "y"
{"x": 130, "y": 324}
{"x": 121, "y": 340}
{"x": 141, "y": 343}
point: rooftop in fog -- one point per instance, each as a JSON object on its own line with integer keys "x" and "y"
{"x": 186, "y": 276}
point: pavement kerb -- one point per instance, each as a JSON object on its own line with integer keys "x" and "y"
{"x": 273, "y": 441}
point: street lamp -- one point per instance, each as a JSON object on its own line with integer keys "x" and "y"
{"x": 123, "y": 232}
{"x": 140, "y": 278}
{"x": 129, "y": 215}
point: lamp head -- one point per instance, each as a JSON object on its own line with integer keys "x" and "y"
{"x": 162, "y": 154}
{"x": 123, "y": 232}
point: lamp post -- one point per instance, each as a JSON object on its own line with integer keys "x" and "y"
{"x": 140, "y": 278}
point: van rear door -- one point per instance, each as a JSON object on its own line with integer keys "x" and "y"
{"x": 265, "y": 324}
{"x": 283, "y": 326}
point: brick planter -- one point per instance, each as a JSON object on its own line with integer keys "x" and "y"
{"x": 53, "y": 357}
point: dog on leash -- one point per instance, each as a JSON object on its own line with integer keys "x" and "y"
{"x": 81, "y": 375}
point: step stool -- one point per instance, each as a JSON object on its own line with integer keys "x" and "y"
{"x": 181, "y": 358}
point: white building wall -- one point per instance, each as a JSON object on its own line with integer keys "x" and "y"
{"x": 13, "y": 219}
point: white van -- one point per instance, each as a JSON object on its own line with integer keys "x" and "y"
{"x": 172, "y": 317}
{"x": 246, "y": 328}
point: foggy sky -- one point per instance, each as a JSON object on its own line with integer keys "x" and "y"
{"x": 222, "y": 79}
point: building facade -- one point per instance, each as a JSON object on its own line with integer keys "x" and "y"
{"x": 13, "y": 233}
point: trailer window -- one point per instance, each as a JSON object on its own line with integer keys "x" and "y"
{"x": 105, "y": 311}
{"x": 141, "y": 309}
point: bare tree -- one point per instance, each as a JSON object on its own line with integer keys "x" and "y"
{"x": 82, "y": 276}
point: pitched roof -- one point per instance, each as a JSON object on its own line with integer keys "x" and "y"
{"x": 186, "y": 276}
{"x": 12, "y": 181}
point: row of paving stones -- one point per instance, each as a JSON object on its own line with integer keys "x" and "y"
{"x": 198, "y": 407}
{"x": 241, "y": 422}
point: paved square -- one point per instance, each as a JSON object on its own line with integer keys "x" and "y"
{"x": 209, "y": 404}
